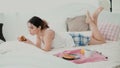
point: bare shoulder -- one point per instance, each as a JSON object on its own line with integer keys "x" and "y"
{"x": 50, "y": 32}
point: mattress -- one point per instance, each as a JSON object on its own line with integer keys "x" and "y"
{"x": 110, "y": 49}
{"x": 20, "y": 55}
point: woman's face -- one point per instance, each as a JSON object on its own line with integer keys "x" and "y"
{"x": 32, "y": 29}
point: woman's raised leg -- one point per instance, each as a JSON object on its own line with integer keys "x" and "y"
{"x": 96, "y": 37}
{"x": 96, "y": 14}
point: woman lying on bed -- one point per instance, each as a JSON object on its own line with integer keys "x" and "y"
{"x": 46, "y": 36}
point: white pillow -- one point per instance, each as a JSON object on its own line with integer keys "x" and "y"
{"x": 68, "y": 39}
{"x": 1, "y": 41}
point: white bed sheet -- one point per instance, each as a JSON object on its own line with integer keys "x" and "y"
{"x": 21, "y": 55}
{"x": 110, "y": 49}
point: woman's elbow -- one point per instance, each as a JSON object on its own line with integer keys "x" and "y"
{"x": 47, "y": 50}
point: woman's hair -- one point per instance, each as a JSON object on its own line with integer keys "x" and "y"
{"x": 36, "y": 21}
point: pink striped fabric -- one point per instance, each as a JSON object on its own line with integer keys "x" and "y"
{"x": 109, "y": 31}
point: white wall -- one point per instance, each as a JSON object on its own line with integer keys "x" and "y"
{"x": 116, "y": 5}
{"x": 16, "y": 5}
{"x": 17, "y": 13}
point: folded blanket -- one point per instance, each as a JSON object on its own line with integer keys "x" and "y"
{"x": 80, "y": 57}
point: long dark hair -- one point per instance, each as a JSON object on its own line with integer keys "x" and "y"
{"x": 37, "y": 21}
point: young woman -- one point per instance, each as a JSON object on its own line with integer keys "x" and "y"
{"x": 43, "y": 33}
{"x": 46, "y": 36}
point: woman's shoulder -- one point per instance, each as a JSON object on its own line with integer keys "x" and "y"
{"x": 49, "y": 31}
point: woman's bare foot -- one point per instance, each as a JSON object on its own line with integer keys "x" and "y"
{"x": 96, "y": 13}
{"x": 88, "y": 18}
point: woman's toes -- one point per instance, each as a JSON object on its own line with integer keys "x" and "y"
{"x": 88, "y": 18}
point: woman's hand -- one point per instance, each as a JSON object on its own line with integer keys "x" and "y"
{"x": 25, "y": 40}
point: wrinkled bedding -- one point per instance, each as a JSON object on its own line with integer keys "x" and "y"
{"x": 15, "y": 54}
{"x": 21, "y": 55}
{"x": 110, "y": 49}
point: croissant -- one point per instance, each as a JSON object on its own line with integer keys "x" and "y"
{"x": 68, "y": 57}
{"x": 22, "y": 38}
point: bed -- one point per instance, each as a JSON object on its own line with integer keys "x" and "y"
{"x": 109, "y": 49}
{"x": 15, "y": 54}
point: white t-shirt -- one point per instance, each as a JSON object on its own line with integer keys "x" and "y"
{"x": 58, "y": 41}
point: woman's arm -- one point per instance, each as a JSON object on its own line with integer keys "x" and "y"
{"x": 29, "y": 42}
{"x": 48, "y": 39}
{"x": 38, "y": 42}
{"x": 24, "y": 39}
